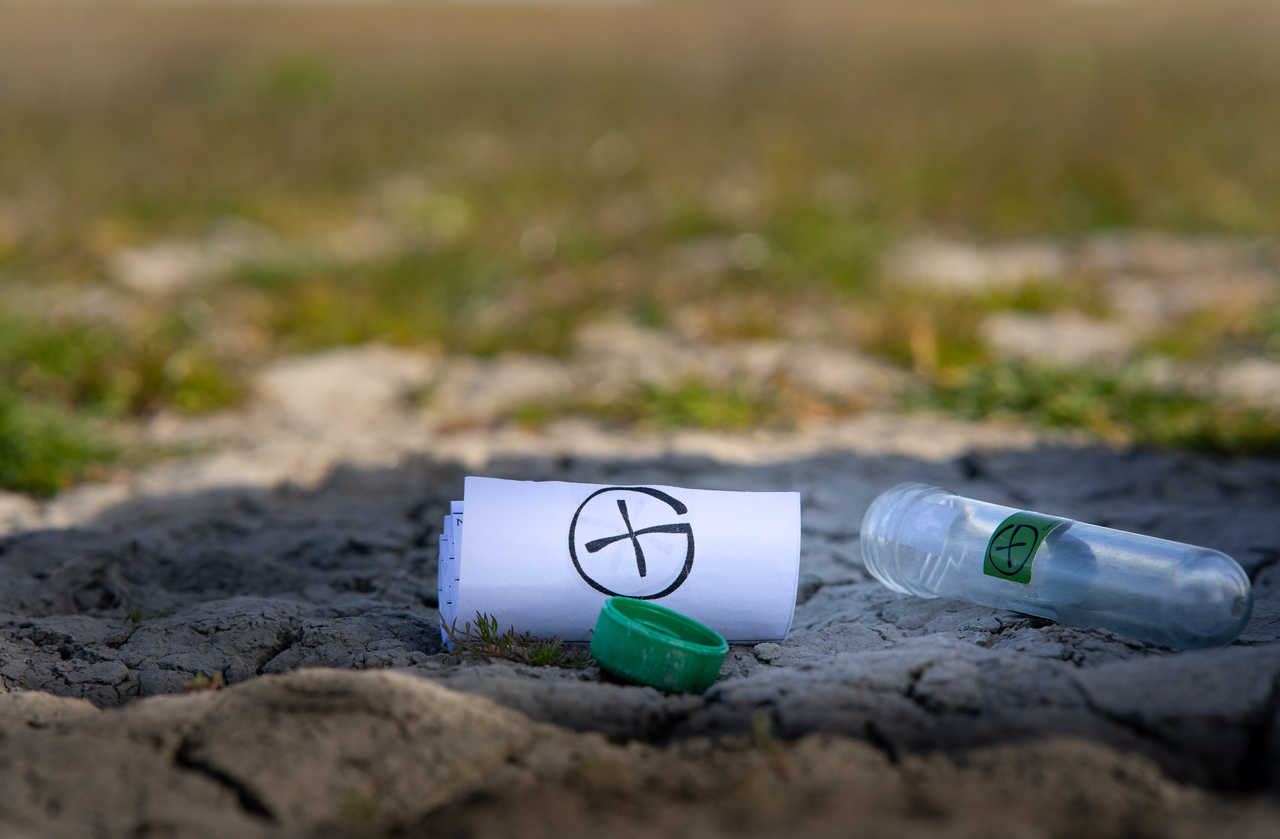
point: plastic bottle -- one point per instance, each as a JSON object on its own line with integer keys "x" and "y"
{"x": 929, "y": 542}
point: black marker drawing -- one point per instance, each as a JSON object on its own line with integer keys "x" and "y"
{"x": 635, "y": 537}
{"x": 1009, "y": 540}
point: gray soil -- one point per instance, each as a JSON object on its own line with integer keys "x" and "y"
{"x": 296, "y": 546}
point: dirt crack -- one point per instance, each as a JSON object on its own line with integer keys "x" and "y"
{"x": 287, "y": 640}
{"x": 250, "y": 802}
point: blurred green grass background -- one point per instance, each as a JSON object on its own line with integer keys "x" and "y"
{"x": 486, "y": 179}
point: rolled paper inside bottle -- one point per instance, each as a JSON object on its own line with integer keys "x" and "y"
{"x": 543, "y": 556}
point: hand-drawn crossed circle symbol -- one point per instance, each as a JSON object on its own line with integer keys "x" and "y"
{"x": 627, "y": 560}
{"x": 1012, "y": 547}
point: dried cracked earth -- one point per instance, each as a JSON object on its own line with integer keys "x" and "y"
{"x": 294, "y": 559}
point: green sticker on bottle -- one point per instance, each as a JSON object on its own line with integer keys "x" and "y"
{"x": 1012, "y": 548}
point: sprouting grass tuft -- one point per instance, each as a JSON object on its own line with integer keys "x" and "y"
{"x": 294, "y": 80}
{"x": 204, "y": 682}
{"x": 63, "y": 380}
{"x": 823, "y": 251}
{"x": 42, "y": 450}
{"x": 1045, "y": 296}
{"x": 1117, "y": 408}
{"x": 423, "y": 297}
{"x": 482, "y": 639}
{"x": 693, "y": 403}
{"x": 930, "y": 333}
{"x": 1207, "y": 332}
{"x": 114, "y": 372}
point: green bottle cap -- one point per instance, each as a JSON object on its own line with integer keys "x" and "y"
{"x": 652, "y": 645}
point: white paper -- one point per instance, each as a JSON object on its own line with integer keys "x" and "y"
{"x": 544, "y": 556}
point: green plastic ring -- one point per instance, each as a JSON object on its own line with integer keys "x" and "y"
{"x": 652, "y": 645}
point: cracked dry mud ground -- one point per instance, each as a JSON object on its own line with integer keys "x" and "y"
{"x": 878, "y": 710}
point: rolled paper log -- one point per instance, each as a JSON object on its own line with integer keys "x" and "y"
{"x": 543, "y": 556}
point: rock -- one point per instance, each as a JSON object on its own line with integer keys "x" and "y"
{"x": 1149, "y": 278}
{"x": 343, "y": 389}
{"x": 842, "y": 375}
{"x": 169, "y": 590}
{"x": 1225, "y": 701}
{"x": 1060, "y": 339}
{"x": 1153, "y": 254}
{"x": 37, "y": 709}
{"x": 1153, "y": 303}
{"x": 478, "y": 391}
{"x": 961, "y": 266}
{"x": 1253, "y": 381}
{"x": 16, "y": 511}
{"x": 615, "y": 357}
{"x": 767, "y": 652}
{"x": 165, "y": 268}
{"x": 371, "y": 754}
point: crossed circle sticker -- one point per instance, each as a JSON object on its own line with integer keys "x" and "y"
{"x": 628, "y": 542}
{"x": 1013, "y": 545}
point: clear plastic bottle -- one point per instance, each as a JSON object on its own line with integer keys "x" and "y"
{"x": 929, "y": 542}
